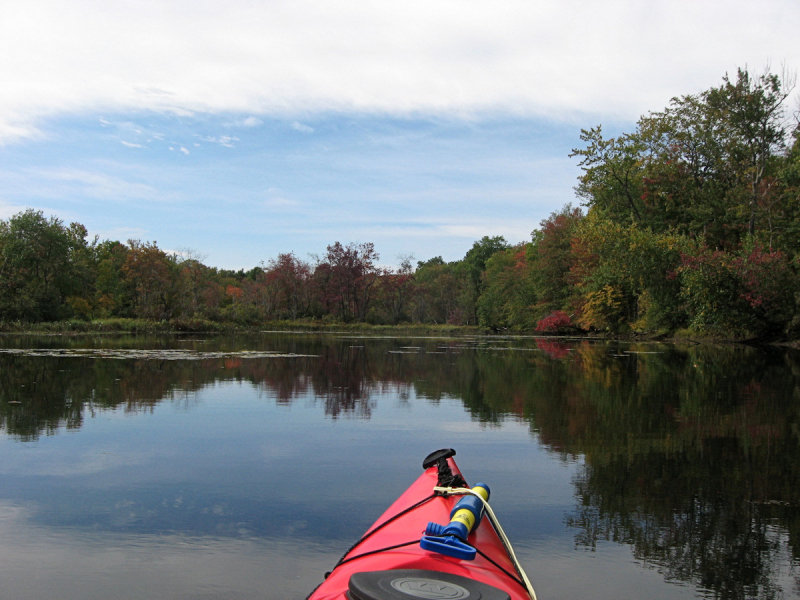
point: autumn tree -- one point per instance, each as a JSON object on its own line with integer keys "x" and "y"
{"x": 688, "y": 212}
{"x": 286, "y": 282}
{"x": 394, "y": 295}
{"x": 625, "y": 276}
{"x": 553, "y": 258}
{"x": 149, "y": 273}
{"x": 346, "y": 278}
{"x": 191, "y": 282}
{"x": 750, "y": 292}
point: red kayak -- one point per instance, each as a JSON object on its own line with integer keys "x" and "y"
{"x": 438, "y": 540}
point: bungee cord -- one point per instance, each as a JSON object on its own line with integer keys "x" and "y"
{"x": 462, "y": 491}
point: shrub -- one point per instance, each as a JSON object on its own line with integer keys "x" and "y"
{"x": 556, "y": 322}
{"x": 749, "y": 293}
{"x": 603, "y": 310}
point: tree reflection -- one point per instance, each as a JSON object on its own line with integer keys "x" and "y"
{"x": 691, "y": 454}
{"x": 692, "y": 459}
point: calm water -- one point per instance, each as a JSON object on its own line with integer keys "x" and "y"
{"x": 242, "y": 467}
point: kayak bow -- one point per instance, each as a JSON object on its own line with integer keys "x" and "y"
{"x": 432, "y": 542}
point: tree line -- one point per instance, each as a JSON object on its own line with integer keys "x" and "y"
{"x": 691, "y": 221}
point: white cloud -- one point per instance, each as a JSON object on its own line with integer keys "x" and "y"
{"x": 8, "y": 210}
{"x": 302, "y": 127}
{"x": 556, "y": 58}
{"x": 249, "y": 122}
{"x": 55, "y": 182}
{"x": 277, "y": 202}
{"x": 227, "y": 141}
{"x": 86, "y": 463}
{"x": 14, "y": 127}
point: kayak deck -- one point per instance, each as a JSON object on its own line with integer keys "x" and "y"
{"x": 392, "y": 543}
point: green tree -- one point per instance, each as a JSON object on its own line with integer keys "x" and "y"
{"x": 191, "y": 281}
{"x": 436, "y": 292}
{"x": 41, "y": 264}
{"x": 472, "y": 268}
{"x": 508, "y": 296}
{"x": 612, "y": 174}
{"x": 705, "y": 165}
{"x": 781, "y": 209}
{"x": 710, "y": 154}
{"x": 753, "y": 109}
{"x": 626, "y": 275}
{"x": 112, "y": 297}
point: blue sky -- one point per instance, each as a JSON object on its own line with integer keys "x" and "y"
{"x": 239, "y": 130}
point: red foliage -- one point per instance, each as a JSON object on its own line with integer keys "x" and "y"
{"x": 234, "y": 292}
{"x": 347, "y": 277}
{"x": 759, "y": 273}
{"x": 554, "y": 322}
{"x": 552, "y": 348}
{"x": 750, "y": 291}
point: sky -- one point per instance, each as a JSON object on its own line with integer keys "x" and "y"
{"x": 235, "y": 131}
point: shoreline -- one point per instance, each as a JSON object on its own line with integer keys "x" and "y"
{"x": 140, "y": 326}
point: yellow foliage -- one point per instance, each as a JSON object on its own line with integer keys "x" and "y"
{"x": 602, "y": 309}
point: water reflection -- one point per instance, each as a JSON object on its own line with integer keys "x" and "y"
{"x": 692, "y": 460}
{"x": 690, "y": 454}
{"x": 133, "y": 565}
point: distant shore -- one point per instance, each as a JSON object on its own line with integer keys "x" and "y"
{"x": 206, "y": 326}
{"x": 143, "y": 326}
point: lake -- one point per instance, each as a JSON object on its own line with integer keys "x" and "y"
{"x": 243, "y": 466}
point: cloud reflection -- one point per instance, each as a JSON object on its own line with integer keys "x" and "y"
{"x": 74, "y": 564}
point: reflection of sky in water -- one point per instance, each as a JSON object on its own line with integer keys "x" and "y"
{"x": 225, "y": 459}
{"x": 88, "y": 564}
{"x": 40, "y": 562}
{"x": 227, "y": 492}
{"x": 230, "y": 488}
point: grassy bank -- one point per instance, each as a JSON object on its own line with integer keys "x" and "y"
{"x": 119, "y": 325}
{"x": 123, "y": 325}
